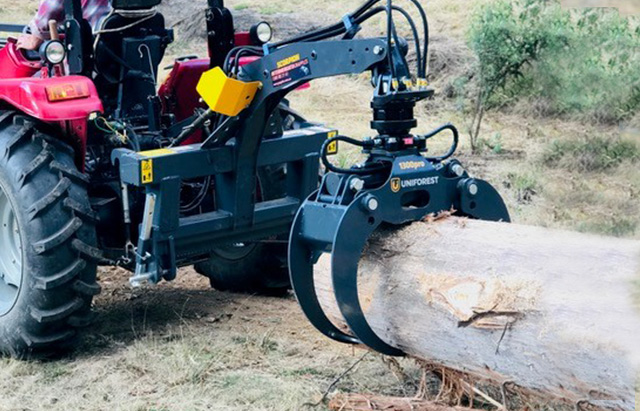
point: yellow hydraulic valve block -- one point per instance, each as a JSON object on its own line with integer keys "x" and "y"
{"x": 225, "y": 95}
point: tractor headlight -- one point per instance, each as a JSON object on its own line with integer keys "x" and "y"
{"x": 261, "y": 33}
{"x": 53, "y": 52}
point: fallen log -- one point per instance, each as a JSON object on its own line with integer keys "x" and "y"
{"x": 551, "y": 311}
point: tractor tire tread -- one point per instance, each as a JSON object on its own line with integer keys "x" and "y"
{"x": 91, "y": 253}
{"x": 79, "y": 210}
{"x": 58, "y": 144}
{"x": 35, "y": 342}
{"x": 58, "y": 238}
{"x": 56, "y": 314}
{"x": 55, "y": 195}
{"x": 70, "y": 173}
{"x": 24, "y": 133}
{"x": 61, "y": 278}
{"x": 40, "y": 161}
{"x": 90, "y": 290}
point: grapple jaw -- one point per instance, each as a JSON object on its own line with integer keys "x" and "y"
{"x": 342, "y": 215}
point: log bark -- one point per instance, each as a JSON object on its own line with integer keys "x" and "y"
{"x": 551, "y": 311}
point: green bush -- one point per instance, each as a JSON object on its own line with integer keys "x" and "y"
{"x": 591, "y": 154}
{"x": 582, "y": 64}
{"x": 507, "y": 38}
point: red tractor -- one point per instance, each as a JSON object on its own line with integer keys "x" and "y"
{"x": 97, "y": 167}
{"x": 61, "y": 200}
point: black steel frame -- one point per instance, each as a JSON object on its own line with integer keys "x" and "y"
{"x": 168, "y": 241}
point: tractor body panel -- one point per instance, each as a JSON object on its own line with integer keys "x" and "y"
{"x": 29, "y": 95}
{"x": 13, "y": 64}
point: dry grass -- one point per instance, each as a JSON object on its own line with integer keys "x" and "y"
{"x": 625, "y": 6}
{"x": 181, "y": 346}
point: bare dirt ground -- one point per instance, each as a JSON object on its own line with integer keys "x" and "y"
{"x": 183, "y": 346}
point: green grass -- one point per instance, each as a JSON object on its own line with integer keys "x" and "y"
{"x": 591, "y": 153}
{"x": 616, "y": 226}
{"x": 525, "y": 186}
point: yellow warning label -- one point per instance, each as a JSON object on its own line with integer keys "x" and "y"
{"x": 332, "y": 148}
{"x": 146, "y": 169}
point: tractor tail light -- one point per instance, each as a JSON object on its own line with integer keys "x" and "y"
{"x": 67, "y": 91}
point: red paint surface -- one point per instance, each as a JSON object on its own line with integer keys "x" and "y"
{"x": 29, "y": 96}
{"x": 178, "y": 93}
{"x": 13, "y": 64}
{"x": 243, "y": 38}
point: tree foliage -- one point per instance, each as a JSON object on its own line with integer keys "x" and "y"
{"x": 571, "y": 63}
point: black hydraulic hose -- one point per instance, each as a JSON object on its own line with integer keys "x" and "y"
{"x": 354, "y": 171}
{"x": 362, "y": 14}
{"x": 414, "y": 29}
{"x": 390, "y": 28}
{"x": 396, "y": 38}
{"x": 425, "y": 23}
{"x": 133, "y": 137}
{"x": 237, "y": 50}
{"x": 241, "y": 53}
{"x": 454, "y": 145}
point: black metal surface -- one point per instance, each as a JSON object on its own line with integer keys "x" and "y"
{"x": 134, "y": 4}
{"x": 12, "y": 28}
{"x": 177, "y": 241}
{"x": 220, "y": 32}
{"x": 78, "y": 39}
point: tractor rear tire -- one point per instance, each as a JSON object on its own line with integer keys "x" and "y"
{"x": 256, "y": 268}
{"x": 49, "y": 277}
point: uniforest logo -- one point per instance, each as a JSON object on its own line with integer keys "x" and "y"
{"x": 398, "y": 184}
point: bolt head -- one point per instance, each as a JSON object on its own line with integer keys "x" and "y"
{"x": 356, "y": 184}
{"x": 458, "y": 170}
{"x": 473, "y": 189}
{"x": 373, "y": 204}
{"x": 377, "y": 50}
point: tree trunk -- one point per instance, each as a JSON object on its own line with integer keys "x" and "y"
{"x": 552, "y": 311}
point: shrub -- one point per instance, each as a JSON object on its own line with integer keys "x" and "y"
{"x": 507, "y": 37}
{"x": 525, "y": 186}
{"x": 581, "y": 64}
{"x": 591, "y": 154}
{"x": 596, "y": 77}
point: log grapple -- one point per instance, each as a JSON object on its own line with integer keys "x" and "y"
{"x": 396, "y": 185}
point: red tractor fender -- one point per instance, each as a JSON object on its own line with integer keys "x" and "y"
{"x": 66, "y": 102}
{"x": 33, "y": 97}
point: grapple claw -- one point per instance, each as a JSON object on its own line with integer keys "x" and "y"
{"x": 340, "y": 218}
